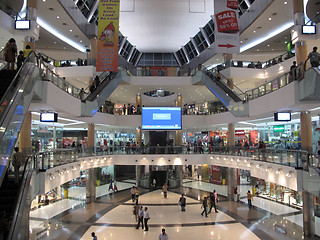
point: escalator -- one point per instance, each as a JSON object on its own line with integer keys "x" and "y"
{"x": 229, "y": 98}
{"x": 17, "y": 90}
{"x": 95, "y": 100}
{"x": 309, "y": 86}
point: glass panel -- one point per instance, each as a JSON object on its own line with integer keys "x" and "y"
{"x": 268, "y": 87}
{"x": 275, "y": 84}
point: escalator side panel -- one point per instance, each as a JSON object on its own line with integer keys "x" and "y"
{"x": 309, "y": 87}
{"x": 90, "y": 108}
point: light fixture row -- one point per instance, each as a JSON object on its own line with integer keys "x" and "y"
{"x": 64, "y": 171}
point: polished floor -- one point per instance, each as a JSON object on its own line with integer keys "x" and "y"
{"x": 111, "y": 217}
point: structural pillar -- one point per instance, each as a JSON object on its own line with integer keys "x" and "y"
{"x": 179, "y": 172}
{"x": 91, "y": 141}
{"x": 93, "y": 51}
{"x": 54, "y": 138}
{"x": 138, "y": 174}
{"x": 138, "y": 100}
{"x": 138, "y": 136}
{"x": 25, "y": 135}
{"x": 32, "y": 6}
{"x": 300, "y": 46}
{"x": 178, "y": 133}
{"x": 307, "y": 197}
{"x": 232, "y": 182}
{"x": 232, "y": 172}
{"x": 90, "y": 186}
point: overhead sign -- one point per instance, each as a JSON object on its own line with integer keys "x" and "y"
{"x": 279, "y": 128}
{"x": 227, "y": 27}
{"x": 108, "y": 35}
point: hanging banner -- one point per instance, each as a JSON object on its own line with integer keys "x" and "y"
{"x": 108, "y": 36}
{"x": 232, "y": 4}
{"x": 227, "y": 30}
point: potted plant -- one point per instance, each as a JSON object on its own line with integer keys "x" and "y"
{"x": 66, "y": 187}
{"x": 98, "y": 175}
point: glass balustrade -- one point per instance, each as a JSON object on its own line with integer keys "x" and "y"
{"x": 292, "y": 158}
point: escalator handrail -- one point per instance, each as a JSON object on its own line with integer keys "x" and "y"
{"x": 23, "y": 190}
{"x": 11, "y": 86}
{"x": 95, "y": 93}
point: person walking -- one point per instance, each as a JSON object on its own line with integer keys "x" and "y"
{"x": 136, "y": 193}
{"x": 132, "y": 191}
{"x": 146, "y": 218}
{"x": 94, "y": 237}
{"x": 293, "y": 71}
{"x": 17, "y": 161}
{"x": 140, "y": 217}
{"x": 204, "y": 206}
{"x": 110, "y": 186}
{"x": 81, "y": 94}
{"x": 10, "y": 53}
{"x": 163, "y": 235}
{"x": 235, "y": 194}
{"x": 20, "y": 60}
{"x": 165, "y": 190}
{"x": 249, "y": 197}
{"x": 136, "y": 211}
{"x": 212, "y": 202}
{"x": 314, "y": 57}
{"x": 182, "y": 203}
{"x": 215, "y": 197}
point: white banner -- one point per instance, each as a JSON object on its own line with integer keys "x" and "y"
{"x": 226, "y": 26}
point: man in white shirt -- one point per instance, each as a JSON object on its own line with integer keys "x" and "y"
{"x": 146, "y": 219}
{"x": 163, "y": 235}
{"x": 140, "y": 217}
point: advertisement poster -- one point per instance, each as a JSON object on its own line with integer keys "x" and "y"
{"x": 108, "y": 35}
{"x": 226, "y": 19}
{"x": 215, "y": 174}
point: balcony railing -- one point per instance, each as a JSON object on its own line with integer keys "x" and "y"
{"x": 287, "y": 157}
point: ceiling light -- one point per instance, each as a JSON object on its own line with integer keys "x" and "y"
{"x": 70, "y": 30}
{"x": 285, "y": 3}
{"x": 268, "y": 45}
{"x": 254, "y": 31}
{"x": 258, "y": 50}
{"x": 267, "y": 36}
{"x": 44, "y": 0}
{"x": 80, "y": 40}
{"x": 58, "y": 17}
{"x": 55, "y": 42}
{"x": 241, "y": 41}
{"x": 270, "y": 19}
{"x": 55, "y": 32}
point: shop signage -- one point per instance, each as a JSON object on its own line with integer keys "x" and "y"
{"x": 226, "y": 20}
{"x": 232, "y": 4}
{"x": 279, "y": 128}
{"x": 43, "y": 128}
{"x": 108, "y": 35}
{"x": 239, "y": 132}
{"x": 215, "y": 174}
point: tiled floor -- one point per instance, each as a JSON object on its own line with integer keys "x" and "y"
{"x": 111, "y": 216}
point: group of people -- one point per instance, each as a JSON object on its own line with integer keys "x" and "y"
{"x": 209, "y": 202}
{"x": 10, "y": 53}
{"x": 131, "y": 109}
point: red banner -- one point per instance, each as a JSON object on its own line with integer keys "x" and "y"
{"x": 227, "y": 22}
{"x": 215, "y": 174}
{"x": 232, "y": 4}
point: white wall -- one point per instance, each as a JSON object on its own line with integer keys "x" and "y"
{"x": 257, "y": 168}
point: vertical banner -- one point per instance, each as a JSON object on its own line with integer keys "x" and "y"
{"x": 227, "y": 27}
{"x": 108, "y": 35}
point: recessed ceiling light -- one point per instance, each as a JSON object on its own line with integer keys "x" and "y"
{"x": 55, "y": 42}
{"x": 70, "y": 30}
{"x": 44, "y": 0}
{"x": 241, "y": 41}
{"x": 258, "y": 50}
{"x": 80, "y": 40}
{"x": 254, "y": 31}
{"x": 270, "y": 19}
{"x": 272, "y": 49}
{"x": 285, "y": 3}
{"x": 268, "y": 45}
{"x": 58, "y": 17}
{"x": 285, "y": 42}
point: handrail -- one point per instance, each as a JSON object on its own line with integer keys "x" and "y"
{"x": 287, "y": 77}
{"x": 12, "y": 85}
{"x": 19, "y": 201}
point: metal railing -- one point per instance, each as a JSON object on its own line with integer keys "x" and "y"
{"x": 287, "y": 157}
{"x": 276, "y": 83}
